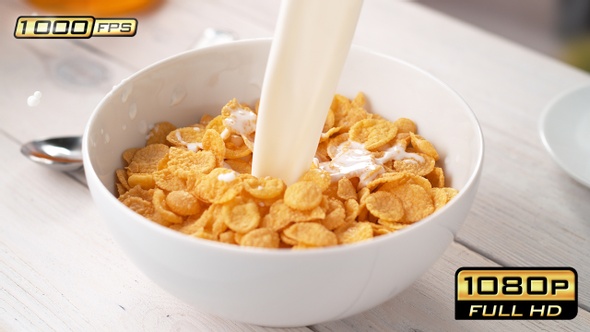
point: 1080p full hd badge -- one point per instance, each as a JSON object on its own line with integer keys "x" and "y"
{"x": 516, "y": 293}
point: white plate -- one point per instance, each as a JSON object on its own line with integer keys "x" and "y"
{"x": 565, "y": 131}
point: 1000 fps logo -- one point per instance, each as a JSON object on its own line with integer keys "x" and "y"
{"x": 516, "y": 293}
{"x": 73, "y": 27}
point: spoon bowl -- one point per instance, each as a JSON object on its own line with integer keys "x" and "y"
{"x": 59, "y": 153}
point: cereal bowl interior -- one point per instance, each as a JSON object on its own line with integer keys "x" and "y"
{"x": 278, "y": 287}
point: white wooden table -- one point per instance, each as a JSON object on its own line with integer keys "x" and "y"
{"x": 60, "y": 269}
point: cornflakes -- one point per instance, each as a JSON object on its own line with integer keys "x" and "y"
{"x": 320, "y": 177}
{"x": 355, "y": 233}
{"x": 183, "y": 203}
{"x": 405, "y": 125}
{"x": 311, "y": 234}
{"x": 145, "y": 160}
{"x": 190, "y": 137}
{"x": 417, "y": 202}
{"x": 370, "y": 177}
{"x": 335, "y": 213}
{"x": 264, "y": 188}
{"x": 422, "y": 166}
{"x": 144, "y": 180}
{"x": 158, "y": 134}
{"x": 436, "y": 177}
{"x": 241, "y": 218}
{"x": 262, "y": 238}
{"x": 373, "y": 133}
{"x": 303, "y": 195}
{"x": 385, "y": 205}
{"x": 219, "y": 186}
{"x": 424, "y": 146}
{"x": 346, "y": 189}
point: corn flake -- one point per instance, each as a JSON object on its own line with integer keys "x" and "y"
{"x": 413, "y": 166}
{"x": 303, "y": 195}
{"x": 311, "y": 234}
{"x": 417, "y": 202}
{"x": 139, "y": 205}
{"x": 145, "y": 160}
{"x": 373, "y": 133}
{"x": 121, "y": 175}
{"x": 318, "y": 176}
{"x": 441, "y": 196}
{"x": 357, "y": 232}
{"x": 282, "y": 215}
{"x": 158, "y": 134}
{"x": 239, "y": 165}
{"x": 385, "y": 205}
{"x": 436, "y": 177}
{"x": 264, "y": 188}
{"x": 346, "y": 190}
{"x": 228, "y": 237}
{"x": 144, "y": 180}
{"x": 241, "y": 218}
{"x": 183, "y": 203}
{"x": 236, "y": 147}
{"x": 422, "y": 145}
{"x": 405, "y": 125}
{"x": 190, "y": 137}
{"x": 219, "y": 186}
{"x": 335, "y": 213}
{"x": 128, "y": 155}
{"x": 262, "y": 238}
{"x": 162, "y": 214}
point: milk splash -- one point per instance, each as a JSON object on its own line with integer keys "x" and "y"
{"x": 34, "y": 99}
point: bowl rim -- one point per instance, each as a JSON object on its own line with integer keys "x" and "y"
{"x": 544, "y": 126}
{"x": 240, "y": 250}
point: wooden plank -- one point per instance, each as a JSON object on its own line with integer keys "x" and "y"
{"x": 428, "y": 305}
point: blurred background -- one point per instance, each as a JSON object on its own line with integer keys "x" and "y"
{"x": 557, "y": 28}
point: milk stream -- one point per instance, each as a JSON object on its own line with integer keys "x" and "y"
{"x": 309, "y": 48}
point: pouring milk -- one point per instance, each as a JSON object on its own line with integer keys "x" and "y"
{"x": 310, "y": 46}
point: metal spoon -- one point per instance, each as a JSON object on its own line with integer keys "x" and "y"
{"x": 65, "y": 153}
{"x": 59, "y": 153}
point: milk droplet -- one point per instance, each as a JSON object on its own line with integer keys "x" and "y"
{"x": 107, "y": 138}
{"x": 227, "y": 177}
{"x": 132, "y": 111}
{"x": 35, "y": 99}
{"x": 126, "y": 92}
{"x": 143, "y": 127}
{"x": 177, "y": 96}
{"x": 124, "y": 127}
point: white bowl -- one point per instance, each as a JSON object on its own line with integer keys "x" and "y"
{"x": 279, "y": 287}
